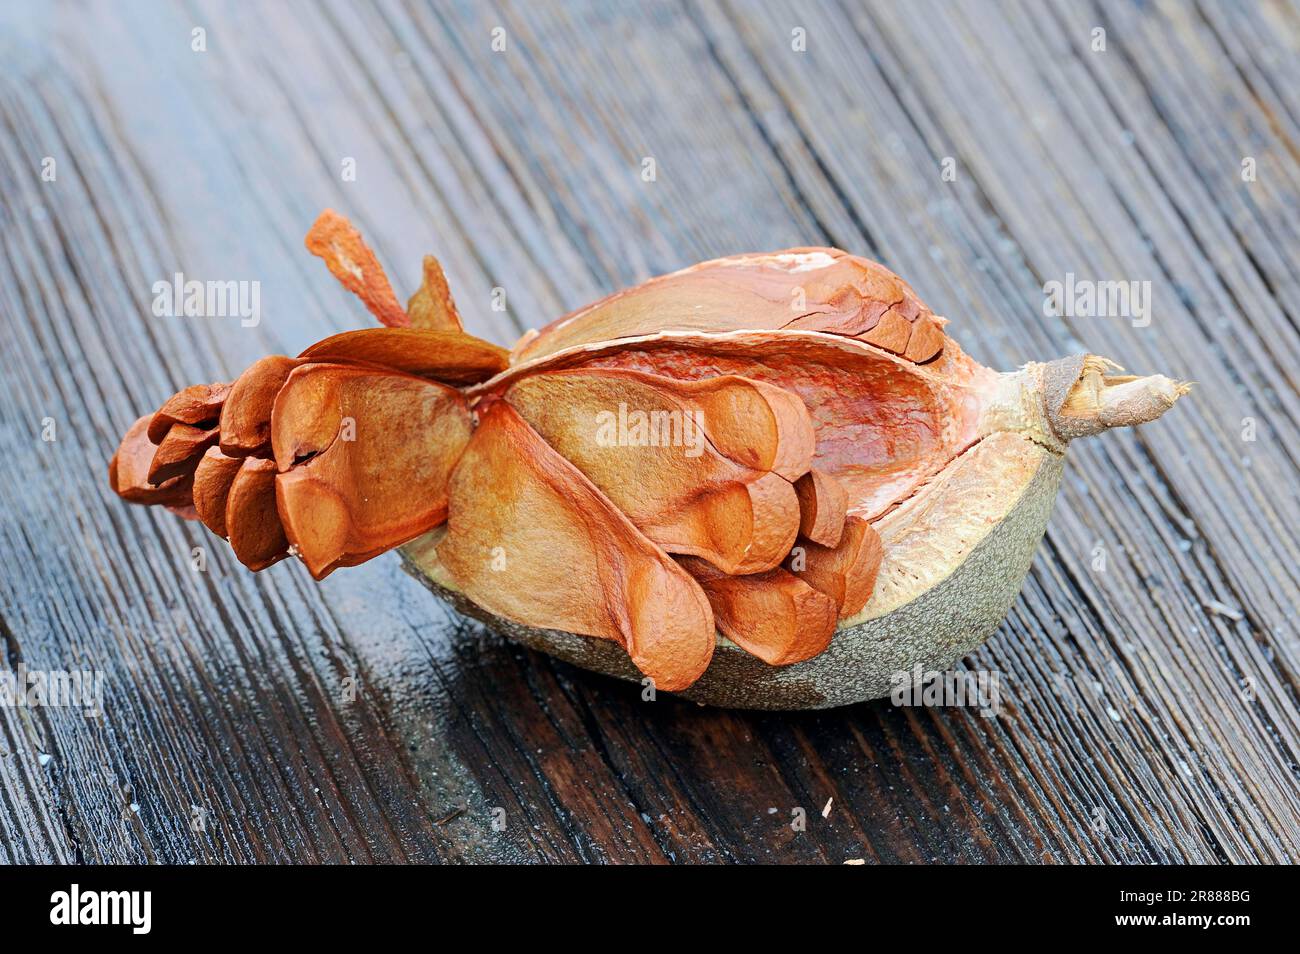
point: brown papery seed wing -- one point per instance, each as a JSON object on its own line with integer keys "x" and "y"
{"x": 197, "y": 404}
{"x": 180, "y": 450}
{"x": 823, "y": 505}
{"x": 246, "y": 414}
{"x": 531, "y": 539}
{"x": 847, "y": 572}
{"x": 212, "y": 479}
{"x": 252, "y": 524}
{"x": 128, "y": 471}
{"x": 451, "y": 357}
{"x": 432, "y": 306}
{"x": 384, "y": 445}
{"x": 639, "y": 439}
{"x": 774, "y": 615}
{"x": 751, "y": 422}
{"x": 812, "y": 289}
{"x": 307, "y": 414}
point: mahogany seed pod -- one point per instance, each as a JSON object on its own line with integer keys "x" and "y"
{"x": 924, "y": 480}
{"x": 954, "y": 466}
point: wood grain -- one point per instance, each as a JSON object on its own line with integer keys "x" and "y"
{"x": 1150, "y": 707}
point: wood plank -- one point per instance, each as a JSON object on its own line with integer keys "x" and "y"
{"x": 1140, "y": 725}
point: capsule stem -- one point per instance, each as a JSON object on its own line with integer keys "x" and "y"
{"x": 1085, "y": 396}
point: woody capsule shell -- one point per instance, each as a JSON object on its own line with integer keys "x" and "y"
{"x": 954, "y": 466}
{"x": 767, "y": 481}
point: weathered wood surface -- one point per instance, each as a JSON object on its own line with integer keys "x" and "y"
{"x": 1142, "y": 721}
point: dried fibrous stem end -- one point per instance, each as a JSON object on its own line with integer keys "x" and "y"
{"x": 1099, "y": 399}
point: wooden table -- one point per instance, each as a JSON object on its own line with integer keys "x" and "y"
{"x": 1150, "y": 668}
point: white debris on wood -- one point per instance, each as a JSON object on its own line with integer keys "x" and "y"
{"x": 1223, "y": 609}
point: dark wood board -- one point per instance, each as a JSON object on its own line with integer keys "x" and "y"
{"x": 1149, "y": 708}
